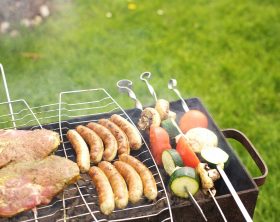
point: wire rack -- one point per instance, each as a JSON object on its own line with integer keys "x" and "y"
{"x": 79, "y": 202}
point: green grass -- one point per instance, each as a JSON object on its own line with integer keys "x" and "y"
{"x": 225, "y": 52}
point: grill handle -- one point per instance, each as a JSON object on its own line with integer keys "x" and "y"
{"x": 243, "y": 139}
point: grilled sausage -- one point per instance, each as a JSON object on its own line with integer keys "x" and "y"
{"x": 131, "y": 132}
{"x": 117, "y": 183}
{"x": 133, "y": 180}
{"x": 104, "y": 190}
{"x": 109, "y": 141}
{"x": 150, "y": 187}
{"x": 81, "y": 149}
{"x": 123, "y": 144}
{"x": 94, "y": 141}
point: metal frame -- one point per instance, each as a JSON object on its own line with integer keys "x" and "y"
{"x": 146, "y": 149}
{"x": 54, "y": 111}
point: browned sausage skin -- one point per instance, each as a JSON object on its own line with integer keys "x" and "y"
{"x": 94, "y": 141}
{"x": 104, "y": 190}
{"x": 81, "y": 149}
{"x": 117, "y": 183}
{"x": 109, "y": 141}
{"x": 133, "y": 180}
{"x": 150, "y": 187}
{"x": 131, "y": 132}
{"x": 123, "y": 144}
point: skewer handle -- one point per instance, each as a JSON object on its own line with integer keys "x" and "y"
{"x": 235, "y": 195}
{"x": 172, "y": 85}
{"x": 144, "y": 77}
{"x": 125, "y": 86}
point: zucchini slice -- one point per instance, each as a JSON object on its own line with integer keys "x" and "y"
{"x": 214, "y": 156}
{"x": 170, "y": 128}
{"x": 200, "y": 138}
{"x": 184, "y": 180}
{"x": 171, "y": 159}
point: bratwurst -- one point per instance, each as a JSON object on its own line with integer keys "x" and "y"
{"x": 117, "y": 183}
{"x": 94, "y": 141}
{"x": 104, "y": 190}
{"x": 109, "y": 141}
{"x": 81, "y": 149}
{"x": 131, "y": 132}
{"x": 133, "y": 180}
{"x": 150, "y": 186}
{"x": 123, "y": 145}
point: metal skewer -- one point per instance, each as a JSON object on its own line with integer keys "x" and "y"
{"x": 172, "y": 85}
{"x": 8, "y": 95}
{"x": 125, "y": 86}
{"x": 144, "y": 76}
{"x": 196, "y": 204}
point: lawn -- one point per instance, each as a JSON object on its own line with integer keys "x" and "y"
{"x": 225, "y": 52}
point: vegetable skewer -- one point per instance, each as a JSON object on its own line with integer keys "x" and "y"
{"x": 144, "y": 76}
{"x": 172, "y": 85}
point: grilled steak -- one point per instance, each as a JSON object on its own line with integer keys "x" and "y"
{"x": 22, "y": 145}
{"x": 25, "y": 185}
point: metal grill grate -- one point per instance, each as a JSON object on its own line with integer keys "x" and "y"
{"x": 79, "y": 202}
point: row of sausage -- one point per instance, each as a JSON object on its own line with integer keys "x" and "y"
{"x": 124, "y": 180}
{"x": 103, "y": 140}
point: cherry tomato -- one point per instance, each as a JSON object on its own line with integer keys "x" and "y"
{"x": 192, "y": 119}
{"x": 159, "y": 140}
{"x": 188, "y": 156}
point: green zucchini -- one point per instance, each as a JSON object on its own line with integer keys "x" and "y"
{"x": 214, "y": 156}
{"x": 170, "y": 128}
{"x": 171, "y": 159}
{"x": 184, "y": 180}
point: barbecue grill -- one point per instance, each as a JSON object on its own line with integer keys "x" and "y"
{"x": 79, "y": 202}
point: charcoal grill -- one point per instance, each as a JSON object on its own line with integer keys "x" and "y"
{"x": 78, "y": 202}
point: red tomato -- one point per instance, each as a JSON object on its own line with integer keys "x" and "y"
{"x": 191, "y": 119}
{"x": 188, "y": 156}
{"x": 159, "y": 140}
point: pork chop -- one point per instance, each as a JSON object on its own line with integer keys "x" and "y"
{"x": 24, "y": 145}
{"x": 25, "y": 185}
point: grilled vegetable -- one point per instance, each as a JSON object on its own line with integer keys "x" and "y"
{"x": 131, "y": 132}
{"x": 170, "y": 128}
{"x": 188, "y": 156}
{"x": 171, "y": 159}
{"x": 148, "y": 180}
{"x": 172, "y": 115}
{"x": 206, "y": 181}
{"x": 214, "y": 156}
{"x": 198, "y": 138}
{"x": 183, "y": 180}
{"x": 213, "y": 174}
{"x": 148, "y": 117}
{"x": 193, "y": 119}
{"x": 162, "y": 106}
{"x": 159, "y": 141}
{"x": 81, "y": 149}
